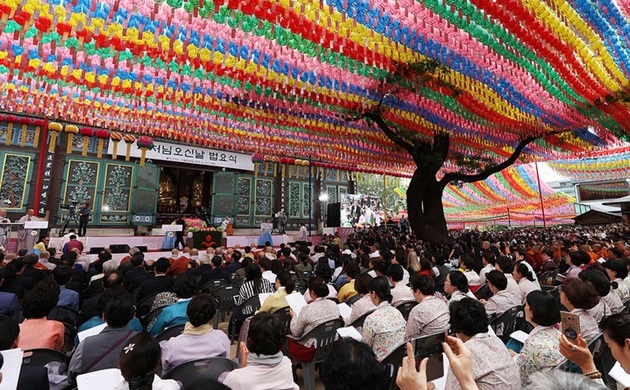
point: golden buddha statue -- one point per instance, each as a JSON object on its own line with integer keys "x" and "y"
{"x": 166, "y": 193}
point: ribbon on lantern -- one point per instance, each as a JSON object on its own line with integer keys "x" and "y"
{"x": 10, "y": 121}
{"x": 306, "y": 164}
{"x": 267, "y": 159}
{"x": 25, "y": 122}
{"x": 283, "y": 162}
{"x": 55, "y": 128}
{"x": 86, "y": 132}
{"x": 38, "y": 123}
{"x": 129, "y": 140}
{"x": 116, "y": 137}
{"x": 71, "y": 130}
{"x": 145, "y": 144}
{"x": 102, "y": 135}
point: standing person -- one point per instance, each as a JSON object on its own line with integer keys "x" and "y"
{"x": 84, "y": 218}
{"x": 302, "y": 233}
{"x": 282, "y": 221}
{"x": 27, "y": 238}
{"x": 179, "y": 236}
{"x": 3, "y": 229}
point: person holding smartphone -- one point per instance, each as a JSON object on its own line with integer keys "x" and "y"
{"x": 492, "y": 365}
{"x": 578, "y": 297}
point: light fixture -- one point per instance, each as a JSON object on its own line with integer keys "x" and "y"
{"x": 323, "y": 197}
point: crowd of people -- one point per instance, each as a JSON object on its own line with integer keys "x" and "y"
{"x": 398, "y": 287}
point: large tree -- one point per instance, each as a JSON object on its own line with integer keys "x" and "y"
{"x": 424, "y": 195}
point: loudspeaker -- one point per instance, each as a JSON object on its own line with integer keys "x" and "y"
{"x": 96, "y": 249}
{"x": 119, "y": 248}
{"x": 143, "y": 249}
{"x": 334, "y": 215}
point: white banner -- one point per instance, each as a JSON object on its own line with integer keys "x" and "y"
{"x": 172, "y": 228}
{"x": 36, "y": 225}
{"x": 188, "y": 154}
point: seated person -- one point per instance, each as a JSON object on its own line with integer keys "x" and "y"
{"x": 9, "y": 302}
{"x": 36, "y": 330}
{"x": 97, "y": 318}
{"x": 430, "y": 315}
{"x": 502, "y": 300}
{"x": 175, "y": 314}
{"x": 400, "y": 292}
{"x": 139, "y": 363}
{"x": 348, "y": 290}
{"x": 101, "y": 351}
{"x": 199, "y": 340}
{"x": 159, "y": 282}
{"x": 254, "y": 284}
{"x": 31, "y": 377}
{"x": 467, "y": 264}
{"x": 384, "y": 328}
{"x": 351, "y": 365}
{"x": 540, "y": 351}
{"x": 364, "y": 304}
{"x": 67, "y": 298}
{"x": 315, "y": 313}
{"x": 216, "y": 271}
{"x": 492, "y": 365}
{"x": 609, "y": 302}
{"x": 278, "y": 300}
{"x": 264, "y": 367}
{"x": 578, "y": 297}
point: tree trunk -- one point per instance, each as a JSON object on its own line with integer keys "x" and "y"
{"x": 424, "y": 205}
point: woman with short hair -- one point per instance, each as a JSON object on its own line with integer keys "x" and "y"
{"x": 430, "y": 315}
{"x": 198, "y": 340}
{"x": 384, "y": 329}
{"x": 617, "y": 271}
{"x": 456, "y": 285}
{"x": 540, "y": 351}
{"x": 263, "y": 366}
{"x": 578, "y": 297}
{"x": 364, "y": 304}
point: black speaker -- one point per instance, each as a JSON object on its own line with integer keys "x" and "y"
{"x": 333, "y": 218}
{"x": 119, "y": 248}
{"x": 143, "y": 249}
{"x": 96, "y": 249}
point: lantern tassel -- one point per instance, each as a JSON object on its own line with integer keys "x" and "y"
{"x": 36, "y": 139}
{"x": 128, "y": 152}
{"x": 99, "y": 148}
{"x": 115, "y": 151}
{"x": 86, "y": 143}
{"x": 53, "y": 142}
{"x": 143, "y": 155}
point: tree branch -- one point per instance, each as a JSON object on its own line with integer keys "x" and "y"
{"x": 395, "y": 138}
{"x": 441, "y": 144}
{"x": 456, "y": 176}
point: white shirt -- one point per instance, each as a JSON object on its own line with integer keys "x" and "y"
{"x": 483, "y": 272}
{"x": 401, "y": 293}
{"x": 302, "y": 234}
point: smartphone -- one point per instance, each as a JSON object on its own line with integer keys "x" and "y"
{"x": 570, "y": 325}
{"x": 431, "y": 347}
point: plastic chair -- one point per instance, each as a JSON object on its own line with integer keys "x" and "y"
{"x": 306, "y": 275}
{"x": 41, "y": 356}
{"x": 250, "y": 306}
{"x": 483, "y": 292}
{"x": 405, "y": 308}
{"x": 285, "y": 316}
{"x": 64, "y": 314}
{"x": 323, "y": 336}
{"x": 225, "y": 298}
{"x": 171, "y": 332}
{"x": 505, "y": 324}
{"x": 358, "y": 323}
{"x": 334, "y": 300}
{"x": 389, "y": 379}
{"x": 394, "y": 359}
{"x": 213, "y": 285}
{"x": 200, "y": 370}
{"x": 144, "y": 307}
{"x": 351, "y": 301}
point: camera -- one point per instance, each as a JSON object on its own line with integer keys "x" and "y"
{"x": 69, "y": 206}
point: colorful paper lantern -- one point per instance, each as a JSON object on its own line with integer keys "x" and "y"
{"x": 86, "y": 132}
{"x": 145, "y": 144}
{"x": 71, "y": 130}
{"x": 101, "y": 135}
{"x": 115, "y": 137}
{"x": 129, "y": 140}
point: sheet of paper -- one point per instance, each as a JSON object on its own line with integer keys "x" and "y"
{"x": 11, "y": 368}
{"x": 100, "y": 380}
{"x": 296, "y": 303}
{"x": 618, "y": 374}
{"x": 344, "y": 309}
{"x": 91, "y": 332}
{"x": 491, "y": 331}
{"x": 349, "y": 331}
{"x": 263, "y": 297}
{"x": 519, "y": 336}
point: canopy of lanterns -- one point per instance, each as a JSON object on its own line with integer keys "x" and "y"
{"x": 280, "y": 78}
{"x": 508, "y": 197}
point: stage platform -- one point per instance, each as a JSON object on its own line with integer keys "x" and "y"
{"x": 243, "y": 241}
